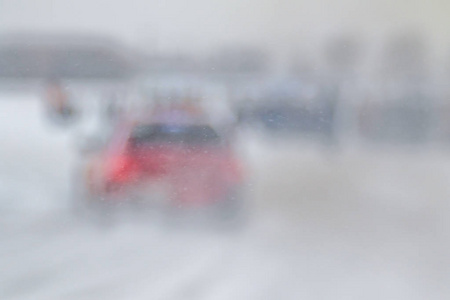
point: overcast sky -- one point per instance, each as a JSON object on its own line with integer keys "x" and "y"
{"x": 206, "y": 24}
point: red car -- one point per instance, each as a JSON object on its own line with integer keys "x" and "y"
{"x": 184, "y": 165}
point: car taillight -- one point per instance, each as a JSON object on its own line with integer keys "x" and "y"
{"x": 120, "y": 169}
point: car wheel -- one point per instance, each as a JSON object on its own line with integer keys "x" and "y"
{"x": 231, "y": 210}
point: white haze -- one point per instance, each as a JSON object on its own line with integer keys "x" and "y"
{"x": 282, "y": 26}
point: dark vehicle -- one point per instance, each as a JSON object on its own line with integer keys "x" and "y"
{"x": 292, "y": 117}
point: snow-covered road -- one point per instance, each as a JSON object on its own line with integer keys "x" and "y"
{"x": 360, "y": 224}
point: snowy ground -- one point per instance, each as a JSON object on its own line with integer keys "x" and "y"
{"x": 353, "y": 224}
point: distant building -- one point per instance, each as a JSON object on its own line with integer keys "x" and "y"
{"x": 35, "y": 56}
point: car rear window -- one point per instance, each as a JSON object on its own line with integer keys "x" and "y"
{"x": 174, "y": 134}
